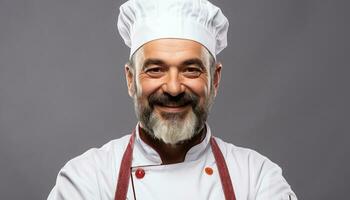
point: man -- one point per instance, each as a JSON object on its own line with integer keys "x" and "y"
{"x": 173, "y": 78}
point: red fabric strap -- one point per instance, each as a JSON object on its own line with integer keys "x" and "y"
{"x": 223, "y": 171}
{"x": 124, "y": 171}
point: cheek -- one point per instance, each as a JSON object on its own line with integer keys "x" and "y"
{"x": 149, "y": 86}
{"x": 200, "y": 87}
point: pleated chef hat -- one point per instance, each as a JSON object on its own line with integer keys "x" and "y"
{"x": 141, "y": 21}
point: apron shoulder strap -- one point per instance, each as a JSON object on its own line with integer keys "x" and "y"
{"x": 124, "y": 171}
{"x": 223, "y": 171}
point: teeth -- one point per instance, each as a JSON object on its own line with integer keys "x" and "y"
{"x": 172, "y": 105}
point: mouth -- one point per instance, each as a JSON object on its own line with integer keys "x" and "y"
{"x": 172, "y": 108}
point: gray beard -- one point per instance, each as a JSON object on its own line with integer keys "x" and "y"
{"x": 174, "y": 130}
{"x": 171, "y": 128}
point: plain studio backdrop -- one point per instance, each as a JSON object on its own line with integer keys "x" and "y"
{"x": 284, "y": 90}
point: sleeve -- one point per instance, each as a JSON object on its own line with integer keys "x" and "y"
{"x": 271, "y": 184}
{"x": 76, "y": 180}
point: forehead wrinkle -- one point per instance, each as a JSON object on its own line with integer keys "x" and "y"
{"x": 173, "y": 51}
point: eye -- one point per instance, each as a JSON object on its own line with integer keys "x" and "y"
{"x": 192, "y": 72}
{"x": 154, "y": 71}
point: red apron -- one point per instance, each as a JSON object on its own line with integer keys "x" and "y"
{"x": 125, "y": 170}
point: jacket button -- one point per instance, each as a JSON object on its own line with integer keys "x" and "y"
{"x": 139, "y": 173}
{"x": 208, "y": 170}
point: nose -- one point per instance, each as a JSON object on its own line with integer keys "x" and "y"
{"x": 173, "y": 85}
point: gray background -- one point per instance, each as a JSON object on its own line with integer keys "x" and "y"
{"x": 284, "y": 90}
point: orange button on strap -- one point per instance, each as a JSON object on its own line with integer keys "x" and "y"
{"x": 208, "y": 170}
{"x": 139, "y": 173}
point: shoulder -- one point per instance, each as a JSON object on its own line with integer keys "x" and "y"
{"x": 100, "y": 156}
{"x": 241, "y": 154}
{"x": 260, "y": 177}
{"x": 81, "y": 177}
{"x": 247, "y": 162}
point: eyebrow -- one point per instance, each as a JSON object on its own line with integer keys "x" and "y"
{"x": 155, "y": 61}
{"x": 193, "y": 61}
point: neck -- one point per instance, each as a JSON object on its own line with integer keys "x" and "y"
{"x": 171, "y": 153}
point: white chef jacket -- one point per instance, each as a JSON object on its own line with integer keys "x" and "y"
{"x": 93, "y": 175}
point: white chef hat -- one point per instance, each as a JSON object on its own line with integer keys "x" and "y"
{"x": 141, "y": 21}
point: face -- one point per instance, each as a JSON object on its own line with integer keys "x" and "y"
{"x": 173, "y": 88}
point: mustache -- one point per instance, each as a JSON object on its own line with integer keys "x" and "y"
{"x": 165, "y": 99}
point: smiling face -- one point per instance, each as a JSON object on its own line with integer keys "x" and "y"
{"x": 172, "y": 87}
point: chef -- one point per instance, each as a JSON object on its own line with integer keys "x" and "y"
{"x": 173, "y": 77}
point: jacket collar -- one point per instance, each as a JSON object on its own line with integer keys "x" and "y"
{"x": 146, "y": 155}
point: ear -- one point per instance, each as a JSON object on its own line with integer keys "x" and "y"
{"x": 217, "y": 76}
{"x": 129, "y": 76}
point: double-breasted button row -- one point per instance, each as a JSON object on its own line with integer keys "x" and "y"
{"x": 140, "y": 173}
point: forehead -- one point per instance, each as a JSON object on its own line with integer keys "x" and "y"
{"x": 173, "y": 50}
